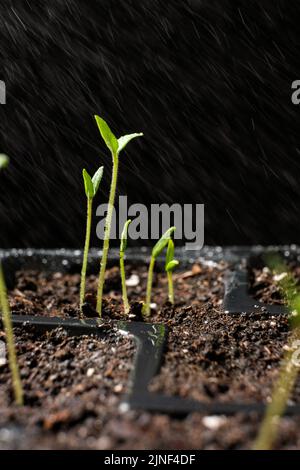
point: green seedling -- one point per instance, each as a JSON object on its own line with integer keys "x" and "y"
{"x": 123, "y": 246}
{"x": 156, "y": 251}
{"x": 6, "y": 317}
{"x": 170, "y": 265}
{"x": 289, "y": 367}
{"x": 91, "y": 186}
{"x": 115, "y": 146}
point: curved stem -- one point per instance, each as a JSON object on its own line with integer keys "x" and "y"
{"x": 170, "y": 284}
{"x": 108, "y": 221}
{"x": 12, "y": 356}
{"x": 86, "y": 251}
{"x": 146, "y": 308}
{"x": 282, "y": 390}
{"x": 123, "y": 280}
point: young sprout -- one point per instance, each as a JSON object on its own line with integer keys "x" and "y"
{"x": 115, "y": 146}
{"x": 91, "y": 186}
{"x": 123, "y": 246}
{"x": 156, "y": 251}
{"x": 6, "y": 316}
{"x": 170, "y": 265}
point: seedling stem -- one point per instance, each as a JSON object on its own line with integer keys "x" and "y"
{"x": 170, "y": 286}
{"x": 146, "y": 309}
{"x": 12, "y": 356}
{"x": 7, "y": 323}
{"x": 170, "y": 265}
{"x": 86, "y": 250}
{"x": 289, "y": 369}
{"x": 123, "y": 247}
{"x": 107, "y": 231}
{"x": 91, "y": 186}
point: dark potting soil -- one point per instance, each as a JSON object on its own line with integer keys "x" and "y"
{"x": 73, "y": 386}
{"x": 264, "y": 283}
{"x": 56, "y": 294}
{"x": 61, "y": 377}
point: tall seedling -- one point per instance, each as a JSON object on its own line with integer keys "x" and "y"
{"x": 115, "y": 146}
{"x": 123, "y": 246}
{"x": 91, "y": 186}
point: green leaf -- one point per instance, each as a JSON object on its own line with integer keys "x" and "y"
{"x": 172, "y": 265}
{"x": 123, "y": 244}
{"x": 107, "y": 135}
{"x": 88, "y": 185}
{"x": 162, "y": 243}
{"x": 97, "y": 179}
{"x": 4, "y": 160}
{"x": 170, "y": 252}
{"x": 123, "y": 141}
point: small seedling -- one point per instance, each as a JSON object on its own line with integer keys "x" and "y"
{"x": 4, "y": 160}
{"x": 115, "y": 146}
{"x": 156, "y": 251}
{"x": 289, "y": 368}
{"x": 123, "y": 246}
{"x": 6, "y": 316}
{"x": 170, "y": 265}
{"x": 91, "y": 186}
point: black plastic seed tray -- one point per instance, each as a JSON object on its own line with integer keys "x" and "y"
{"x": 237, "y": 299}
{"x": 150, "y": 338}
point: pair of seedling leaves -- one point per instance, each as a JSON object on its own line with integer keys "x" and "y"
{"x": 165, "y": 240}
{"x": 91, "y": 184}
{"x": 171, "y": 263}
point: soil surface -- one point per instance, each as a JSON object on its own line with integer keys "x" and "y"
{"x": 56, "y": 294}
{"x": 61, "y": 376}
{"x": 73, "y": 386}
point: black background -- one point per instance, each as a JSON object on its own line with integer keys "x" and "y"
{"x": 209, "y": 84}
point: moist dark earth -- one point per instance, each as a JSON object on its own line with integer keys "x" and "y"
{"x": 265, "y": 283}
{"x": 73, "y": 386}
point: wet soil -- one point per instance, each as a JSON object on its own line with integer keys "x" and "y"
{"x": 73, "y": 386}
